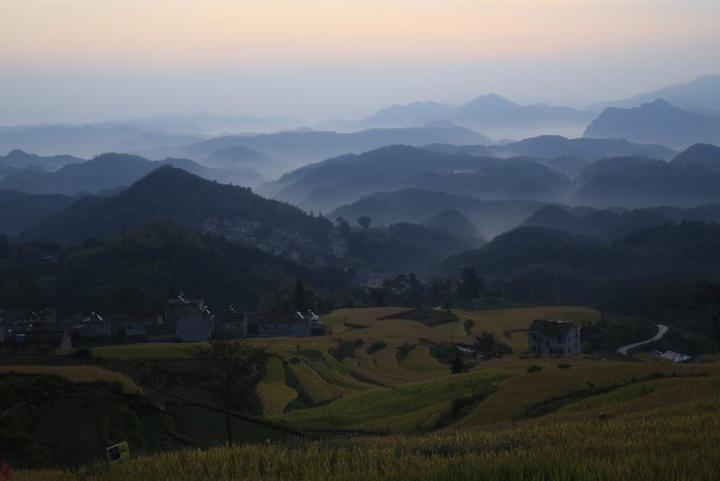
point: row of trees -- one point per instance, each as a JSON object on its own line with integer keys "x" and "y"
{"x": 408, "y": 290}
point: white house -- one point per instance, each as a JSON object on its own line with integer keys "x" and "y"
{"x": 553, "y": 338}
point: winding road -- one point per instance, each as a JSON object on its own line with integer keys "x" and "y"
{"x": 662, "y": 330}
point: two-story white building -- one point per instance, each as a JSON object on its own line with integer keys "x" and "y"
{"x": 553, "y": 338}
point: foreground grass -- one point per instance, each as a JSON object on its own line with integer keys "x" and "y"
{"x": 678, "y": 443}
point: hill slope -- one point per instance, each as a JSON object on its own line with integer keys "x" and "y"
{"x": 19, "y": 211}
{"x": 187, "y": 199}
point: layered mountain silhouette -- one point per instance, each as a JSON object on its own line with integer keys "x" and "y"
{"x": 565, "y": 155}
{"x": 87, "y": 140}
{"x": 344, "y": 179}
{"x": 19, "y": 159}
{"x": 291, "y": 149}
{"x": 489, "y": 218}
{"x": 491, "y": 113}
{"x": 689, "y": 180}
{"x": 453, "y": 221}
{"x": 111, "y": 171}
{"x": 657, "y": 122}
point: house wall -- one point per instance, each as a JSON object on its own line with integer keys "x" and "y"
{"x": 542, "y": 345}
{"x": 290, "y": 329}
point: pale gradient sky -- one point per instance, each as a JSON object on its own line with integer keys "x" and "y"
{"x": 87, "y": 60}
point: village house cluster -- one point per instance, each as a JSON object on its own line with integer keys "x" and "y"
{"x": 183, "y": 320}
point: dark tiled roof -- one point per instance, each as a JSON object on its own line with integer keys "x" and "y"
{"x": 552, "y": 328}
{"x": 275, "y": 318}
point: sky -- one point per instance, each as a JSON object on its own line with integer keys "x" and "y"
{"x": 94, "y": 60}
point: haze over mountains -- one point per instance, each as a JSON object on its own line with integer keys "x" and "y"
{"x": 427, "y": 163}
{"x": 491, "y": 114}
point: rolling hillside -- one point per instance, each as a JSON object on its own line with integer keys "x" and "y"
{"x": 172, "y": 193}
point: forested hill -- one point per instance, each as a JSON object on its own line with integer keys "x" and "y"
{"x": 172, "y": 193}
{"x": 138, "y": 270}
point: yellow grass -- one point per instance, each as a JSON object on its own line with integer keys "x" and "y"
{"x": 274, "y": 394}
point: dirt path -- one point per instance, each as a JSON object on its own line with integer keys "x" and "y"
{"x": 662, "y": 330}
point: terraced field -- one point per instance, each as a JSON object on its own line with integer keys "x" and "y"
{"x": 508, "y": 418}
{"x": 369, "y": 353}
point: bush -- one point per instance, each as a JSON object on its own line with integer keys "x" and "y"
{"x": 564, "y": 366}
{"x": 83, "y": 353}
{"x": 375, "y": 346}
{"x": 534, "y": 368}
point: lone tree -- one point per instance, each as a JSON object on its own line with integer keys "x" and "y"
{"x": 238, "y": 365}
{"x": 470, "y": 284}
{"x": 364, "y": 221}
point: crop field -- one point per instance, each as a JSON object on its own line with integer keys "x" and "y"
{"x": 368, "y": 349}
{"x": 676, "y": 442}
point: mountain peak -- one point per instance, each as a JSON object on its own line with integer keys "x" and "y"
{"x": 16, "y": 154}
{"x": 491, "y": 100}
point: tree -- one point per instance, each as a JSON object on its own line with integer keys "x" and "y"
{"x": 377, "y": 296}
{"x": 301, "y": 298}
{"x": 343, "y": 227}
{"x": 364, "y": 221}
{"x": 707, "y": 300}
{"x": 238, "y": 365}
{"x": 470, "y": 284}
{"x": 457, "y": 366}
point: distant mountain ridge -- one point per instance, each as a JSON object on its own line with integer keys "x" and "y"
{"x": 86, "y": 141}
{"x": 698, "y": 95}
{"x": 657, "y": 122}
{"x": 20, "y": 159}
{"x": 487, "y": 113}
{"x": 110, "y": 171}
{"x": 288, "y": 150}
{"x": 344, "y": 179}
{"x": 416, "y": 205}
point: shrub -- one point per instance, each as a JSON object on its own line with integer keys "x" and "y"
{"x": 83, "y": 353}
{"x": 376, "y": 346}
{"x": 534, "y": 368}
